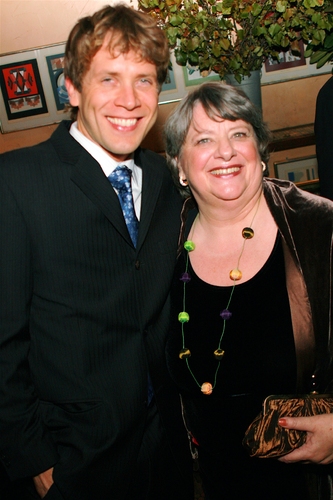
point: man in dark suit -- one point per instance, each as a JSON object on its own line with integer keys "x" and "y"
{"x": 324, "y": 138}
{"x": 87, "y": 409}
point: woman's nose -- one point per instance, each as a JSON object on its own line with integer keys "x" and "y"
{"x": 225, "y": 148}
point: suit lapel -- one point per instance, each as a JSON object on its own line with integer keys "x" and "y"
{"x": 90, "y": 179}
{"x": 151, "y": 186}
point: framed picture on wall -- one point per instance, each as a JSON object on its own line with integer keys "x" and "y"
{"x": 291, "y": 67}
{"x": 287, "y": 59}
{"x": 32, "y": 88}
{"x": 55, "y": 64}
{"x": 193, "y": 77}
{"x": 180, "y": 80}
{"x": 297, "y": 170}
{"x": 173, "y": 88}
{"x": 22, "y": 89}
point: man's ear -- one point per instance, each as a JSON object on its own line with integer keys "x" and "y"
{"x": 73, "y": 93}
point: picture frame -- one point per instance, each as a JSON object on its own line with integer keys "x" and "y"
{"x": 180, "y": 80}
{"x": 55, "y": 64}
{"x": 291, "y": 68}
{"x": 192, "y": 77}
{"x": 287, "y": 59}
{"x": 173, "y": 89}
{"x": 298, "y": 170}
{"x": 22, "y": 89}
{"x": 41, "y": 76}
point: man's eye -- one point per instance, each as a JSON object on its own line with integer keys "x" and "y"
{"x": 146, "y": 81}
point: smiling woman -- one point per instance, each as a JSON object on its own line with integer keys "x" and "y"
{"x": 218, "y": 152}
{"x": 235, "y": 329}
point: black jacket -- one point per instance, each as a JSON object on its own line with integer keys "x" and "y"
{"x": 83, "y": 317}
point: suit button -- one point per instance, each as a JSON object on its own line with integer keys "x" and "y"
{"x": 137, "y": 265}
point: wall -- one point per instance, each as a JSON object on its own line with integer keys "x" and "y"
{"x": 30, "y": 23}
{"x": 291, "y": 104}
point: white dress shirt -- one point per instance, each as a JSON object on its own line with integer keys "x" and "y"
{"x": 108, "y": 164}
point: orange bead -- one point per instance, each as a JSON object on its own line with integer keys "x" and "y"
{"x": 235, "y": 274}
{"x": 206, "y": 388}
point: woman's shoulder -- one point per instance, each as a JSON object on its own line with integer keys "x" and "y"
{"x": 284, "y": 194}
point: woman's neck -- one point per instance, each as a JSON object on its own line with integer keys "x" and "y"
{"x": 227, "y": 215}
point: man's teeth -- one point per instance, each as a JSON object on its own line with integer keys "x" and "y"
{"x": 122, "y": 122}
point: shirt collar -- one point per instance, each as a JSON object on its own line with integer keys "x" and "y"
{"x": 107, "y": 163}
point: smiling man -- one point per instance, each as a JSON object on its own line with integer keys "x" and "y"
{"x": 87, "y": 409}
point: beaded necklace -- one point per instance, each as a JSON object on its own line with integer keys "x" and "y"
{"x": 183, "y": 317}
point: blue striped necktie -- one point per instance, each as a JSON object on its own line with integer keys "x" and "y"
{"x": 120, "y": 179}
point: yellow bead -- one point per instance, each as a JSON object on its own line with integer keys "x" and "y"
{"x": 235, "y": 274}
{"x": 247, "y": 233}
{"x": 206, "y": 388}
{"x": 184, "y": 353}
{"x": 218, "y": 354}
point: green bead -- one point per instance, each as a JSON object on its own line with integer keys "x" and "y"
{"x": 189, "y": 245}
{"x": 183, "y": 317}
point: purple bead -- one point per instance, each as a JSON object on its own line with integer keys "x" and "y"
{"x": 225, "y": 314}
{"x": 185, "y": 277}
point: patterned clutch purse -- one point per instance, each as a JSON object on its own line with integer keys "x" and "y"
{"x": 264, "y": 437}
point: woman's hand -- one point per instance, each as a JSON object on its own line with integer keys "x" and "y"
{"x": 318, "y": 447}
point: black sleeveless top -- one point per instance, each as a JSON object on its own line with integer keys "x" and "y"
{"x": 258, "y": 340}
{"x": 259, "y": 360}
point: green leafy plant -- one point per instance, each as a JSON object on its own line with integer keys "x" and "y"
{"x": 236, "y": 36}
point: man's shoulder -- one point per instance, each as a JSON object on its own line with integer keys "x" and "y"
{"x": 153, "y": 165}
{"x": 325, "y": 94}
{"x": 60, "y": 132}
{"x": 41, "y": 152}
{"x": 143, "y": 156}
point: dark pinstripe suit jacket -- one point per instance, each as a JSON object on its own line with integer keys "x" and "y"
{"x": 83, "y": 315}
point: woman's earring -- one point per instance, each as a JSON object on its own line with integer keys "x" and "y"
{"x": 183, "y": 182}
{"x": 263, "y": 164}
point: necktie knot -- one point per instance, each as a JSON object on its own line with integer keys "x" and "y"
{"x": 120, "y": 179}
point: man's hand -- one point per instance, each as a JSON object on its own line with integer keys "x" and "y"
{"x": 43, "y": 482}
